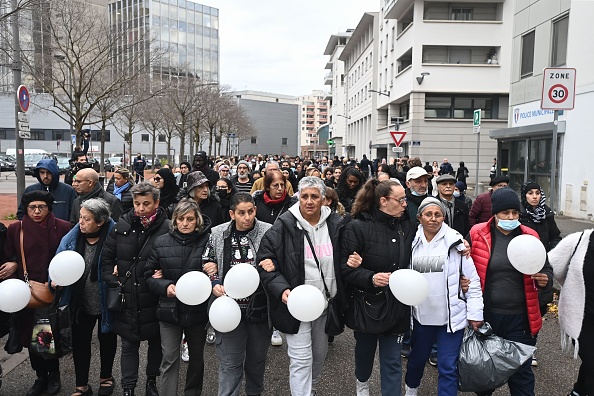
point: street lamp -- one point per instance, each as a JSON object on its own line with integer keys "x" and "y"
{"x": 340, "y": 115}
{"x": 385, "y": 93}
{"x": 62, "y": 59}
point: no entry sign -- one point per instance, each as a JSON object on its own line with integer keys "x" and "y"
{"x": 558, "y": 89}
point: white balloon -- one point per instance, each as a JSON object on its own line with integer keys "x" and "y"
{"x": 66, "y": 268}
{"x": 224, "y": 314}
{"x": 14, "y": 295}
{"x": 241, "y": 281}
{"x": 527, "y": 254}
{"x": 193, "y": 288}
{"x": 306, "y": 303}
{"x": 409, "y": 286}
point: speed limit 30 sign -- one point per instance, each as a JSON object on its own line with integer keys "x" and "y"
{"x": 558, "y": 89}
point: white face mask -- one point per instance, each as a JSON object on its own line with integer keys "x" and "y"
{"x": 456, "y": 194}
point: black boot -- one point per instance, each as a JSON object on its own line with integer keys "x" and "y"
{"x": 128, "y": 392}
{"x": 151, "y": 386}
{"x": 54, "y": 384}
{"x": 38, "y": 387}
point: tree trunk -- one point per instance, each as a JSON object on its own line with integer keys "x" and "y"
{"x": 153, "y": 149}
{"x": 182, "y": 141}
{"x": 169, "y": 150}
{"x": 102, "y": 163}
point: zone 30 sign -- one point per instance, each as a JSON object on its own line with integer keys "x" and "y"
{"x": 558, "y": 89}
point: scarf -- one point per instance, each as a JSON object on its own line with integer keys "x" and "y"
{"x": 146, "y": 221}
{"x": 80, "y": 247}
{"x": 270, "y": 201}
{"x": 117, "y": 191}
{"x": 536, "y": 213}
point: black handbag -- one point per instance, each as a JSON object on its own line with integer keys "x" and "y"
{"x": 369, "y": 312}
{"x": 52, "y": 331}
{"x": 115, "y": 299}
{"x": 334, "y": 315}
{"x": 167, "y": 310}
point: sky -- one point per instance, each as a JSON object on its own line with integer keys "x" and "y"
{"x": 278, "y": 45}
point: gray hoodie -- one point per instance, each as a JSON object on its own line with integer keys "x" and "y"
{"x": 320, "y": 238}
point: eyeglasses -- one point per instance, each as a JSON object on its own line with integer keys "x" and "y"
{"x": 33, "y": 208}
{"x": 242, "y": 167}
{"x": 224, "y": 170}
{"x": 278, "y": 186}
{"x": 429, "y": 216}
{"x": 399, "y": 200}
{"x": 157, "y": 179}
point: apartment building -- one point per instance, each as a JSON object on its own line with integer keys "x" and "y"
{"x": 314, "y": 114}
{"x": 335, "y": 78}
{"x": 550, "y": 34}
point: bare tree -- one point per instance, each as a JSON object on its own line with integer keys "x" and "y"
{"x": 21, "y": 5}
{"x": 152, "y": 120}
{"x": 90, "y": 60}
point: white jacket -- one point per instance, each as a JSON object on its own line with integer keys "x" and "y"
{"x": 459, "y": 311}
{"x": 569, "y": 272}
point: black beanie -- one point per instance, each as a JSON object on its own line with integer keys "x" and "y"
{"x": 504, "y": 199}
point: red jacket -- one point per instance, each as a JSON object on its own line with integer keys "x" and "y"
{"x": 480, "y": 236}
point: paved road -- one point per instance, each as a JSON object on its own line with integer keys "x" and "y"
{"x": 555, "y": 374}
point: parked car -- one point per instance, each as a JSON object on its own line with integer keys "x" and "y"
{"x": 63, "y": 164}
{"x": 31, "y": 161}
{"x": 115, "y": 161}
{"x": 7, "y": 163}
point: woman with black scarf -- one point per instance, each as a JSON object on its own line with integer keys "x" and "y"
{"x": 87, "y": 297}
{"x": 349, "y": 184}
{"x": 164, "y": 180}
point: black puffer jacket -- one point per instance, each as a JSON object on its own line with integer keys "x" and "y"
{"x": 176, "y": 254}
{"x": 284, "y": 245}
{"x": 384, "y": 243}
{"x": 127, "y": 240}
{"x": 269, "y": 213}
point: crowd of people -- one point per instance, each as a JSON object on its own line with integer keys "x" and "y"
{"x": 338, "y": 225}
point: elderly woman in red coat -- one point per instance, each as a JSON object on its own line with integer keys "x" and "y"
{"x": 42, "y": 233}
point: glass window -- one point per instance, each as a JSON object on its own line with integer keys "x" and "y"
{"x": 438, "y": 107}
{"x": 172, "y": 12}
{"x": 404, "y": 110}
{"x": 144, "y": 137}
{"x": 206, "y": 32}
{"x": 527, "y": 64}
{"x": 198, "y": 7}
{"x": 253, "y": 139}
{"x": 206, "y": 20}
{"x": 191, "y": 28}
{"x": 284, "y": 141}
{"x": 165, "y": 22}
{"x": 559, "y": 55}
{"x": 156, "y": 21}
{"x": 164, "y": 34}
{"x": 182, "y": 26}
{"x": 161, "y": 138}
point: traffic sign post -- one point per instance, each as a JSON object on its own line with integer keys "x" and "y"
{"x": 558, "y": 93}
{"x": 476, "y": 128}
{"x": 398, "y": 137}
{"x": 23, "y": 97}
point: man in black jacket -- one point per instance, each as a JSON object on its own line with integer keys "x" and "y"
{"x": 200, "y": 164}
{"x": 125, "y": 253}
{"x": 86, "y": 184}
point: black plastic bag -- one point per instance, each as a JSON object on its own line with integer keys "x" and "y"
{"x": 52, "y": 332}
{"x": 487, "y": 361}
{"x": 13, "y": 344}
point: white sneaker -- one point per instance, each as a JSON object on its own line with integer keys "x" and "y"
{"x": 362, "y": 388}
{"x": 276, "y": 338}
{"x": 210, "y": 335}
{"x": 410, "y": 391}
{"x": 185, "y": 354}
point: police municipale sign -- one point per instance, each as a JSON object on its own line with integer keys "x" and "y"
{"x": 558, "y": 88}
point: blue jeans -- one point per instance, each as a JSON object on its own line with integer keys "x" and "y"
{"x": 515, "y": 328}
{"x": 448, "y": 345}
{"x": 390, "y": 361}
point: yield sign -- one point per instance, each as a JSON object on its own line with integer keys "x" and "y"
{"x": 397, "y": 137}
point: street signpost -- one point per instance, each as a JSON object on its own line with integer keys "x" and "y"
{"x": 476, "y": 128}
{"x": 24, "y": 99}
{"x": 398, "y": 137}
{"x": 558, "y": 93}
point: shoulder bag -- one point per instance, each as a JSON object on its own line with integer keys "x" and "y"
{"x": 334, "y": 317}
{"x": 41, "y": 296}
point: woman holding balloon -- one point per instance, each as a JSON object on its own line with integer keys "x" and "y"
{"x": 87, "y": 297}
{"x": 448, "y": 310}
{"x": 173, "y": 255}
{"x": 232, "y": 245}
{"x": 302, "y": 249}
{"x": 379, "y": 238}
{"x": 36, "y": 238}
{"x": 511, "y": 296}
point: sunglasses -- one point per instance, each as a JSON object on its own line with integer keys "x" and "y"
{"x": 157, "y": 179}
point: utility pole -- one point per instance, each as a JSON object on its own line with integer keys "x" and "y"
{"x": 16, "y": 73}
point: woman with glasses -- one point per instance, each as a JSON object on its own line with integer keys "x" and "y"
{"x": 164, "y": 180}
{"x": 376, "y": 243}
{"x": 448, "y": 310}
{"x": 224, "y": 171}
{"x": 274, "y": 199}
{"x": 225, "y": 191}
{"x": 38, "y": 235}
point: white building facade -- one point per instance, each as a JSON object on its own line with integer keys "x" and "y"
{"x": 551, "y": 34}
{"x": 314, "y": 114}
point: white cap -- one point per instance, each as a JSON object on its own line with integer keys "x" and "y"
{"x": 415, "y": 173}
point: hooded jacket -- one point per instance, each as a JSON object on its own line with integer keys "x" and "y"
{"x": 115, "y": 206}
{"x": 64, "y": 195}
{"x": 284, "y": 244}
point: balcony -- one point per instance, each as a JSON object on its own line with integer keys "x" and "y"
{"x": 393, "y": 9}
{"x": 328, "y": 79}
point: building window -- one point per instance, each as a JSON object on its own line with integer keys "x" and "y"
{"x": 404, "y": 110}
{"x": 559, "y": 55}
{"x": 144, "y": 137}
{"x": 2, "y": 133}
{"x": 527, "y": 65}
{"x": 96, "y": 136}
{"x": 461, "y": 14}
{"x": 460, "y": 107}
{"x": 161, "y": 138}
{"x": 58, "y": 135}
{"x": 405, "y": 60}
{"x": 37, "y": 134}
{"x": 253, "y": 139}
{"x": 284, "y": 141}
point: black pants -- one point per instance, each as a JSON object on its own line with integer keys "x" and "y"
{"x": 130, "y": 361}
{"x": 42, "y": 366}
{"x": 585, "y": 381}
{"x": 82, "y": 333}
